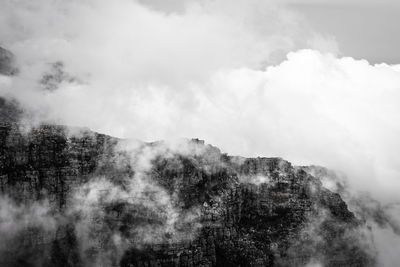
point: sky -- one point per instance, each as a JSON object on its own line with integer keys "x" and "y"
{"x": 363, "y": 29}
{"x": 314, "y": 82}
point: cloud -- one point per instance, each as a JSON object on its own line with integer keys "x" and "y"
{"x": 120, "y": 208}
{"x": 128, "y": 208}
{"x": 121, "y": 55}
{"x": 139, "y": 72}
{"x": 19, "y": 220}
{"x": 387, "y": 242}
{"x": 213, "y": 70}
{"x": 313, "y": 108}
{"x": 16, "y": 217}
{"x": 128, "y": 43}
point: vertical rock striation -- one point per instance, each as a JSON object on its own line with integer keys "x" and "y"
{"x": 206, "y": 209}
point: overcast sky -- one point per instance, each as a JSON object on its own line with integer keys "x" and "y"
{"x": 363, "y": 29}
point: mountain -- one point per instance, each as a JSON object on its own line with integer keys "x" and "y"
{"x": 122, "y": 203}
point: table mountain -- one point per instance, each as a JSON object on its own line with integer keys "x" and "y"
{"x": 73, "y": 197}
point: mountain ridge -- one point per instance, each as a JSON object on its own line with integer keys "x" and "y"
{"x": 186, "y": 205}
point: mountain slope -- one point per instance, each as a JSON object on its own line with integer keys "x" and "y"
{"x": 81, "y": 198}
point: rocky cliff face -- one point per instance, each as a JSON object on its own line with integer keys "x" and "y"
{"x": 7, "y": 61}
{"x": 9, "y": 109}
{"x": 81, "y": 198}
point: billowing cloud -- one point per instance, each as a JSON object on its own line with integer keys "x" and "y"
{"x": 313, "y": 108}
{"x": 132, "y": 70}
{"x": 126, "y": 43}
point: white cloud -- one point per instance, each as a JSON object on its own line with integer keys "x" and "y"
{"x": 124, "y": 42}
{"x": 17, "y": 218}
{"x": 313, "y": 108}
{"x": 147, "y": 74}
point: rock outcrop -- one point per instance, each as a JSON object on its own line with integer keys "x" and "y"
{"x": 10, "y": 112}
{"x": 7, "y": 62}
{"x": 111, "y": 203}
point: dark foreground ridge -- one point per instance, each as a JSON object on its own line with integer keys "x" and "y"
{"x": 86, "y": 199}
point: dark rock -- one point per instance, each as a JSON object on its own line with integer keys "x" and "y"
{"x": 55, "y": 76}
{"x": 7, "y": 62}
{"x": 288, "y": 221}
{"x": 10, "y": 112}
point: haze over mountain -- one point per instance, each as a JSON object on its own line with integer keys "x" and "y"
{"x": 254, "y": 78}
